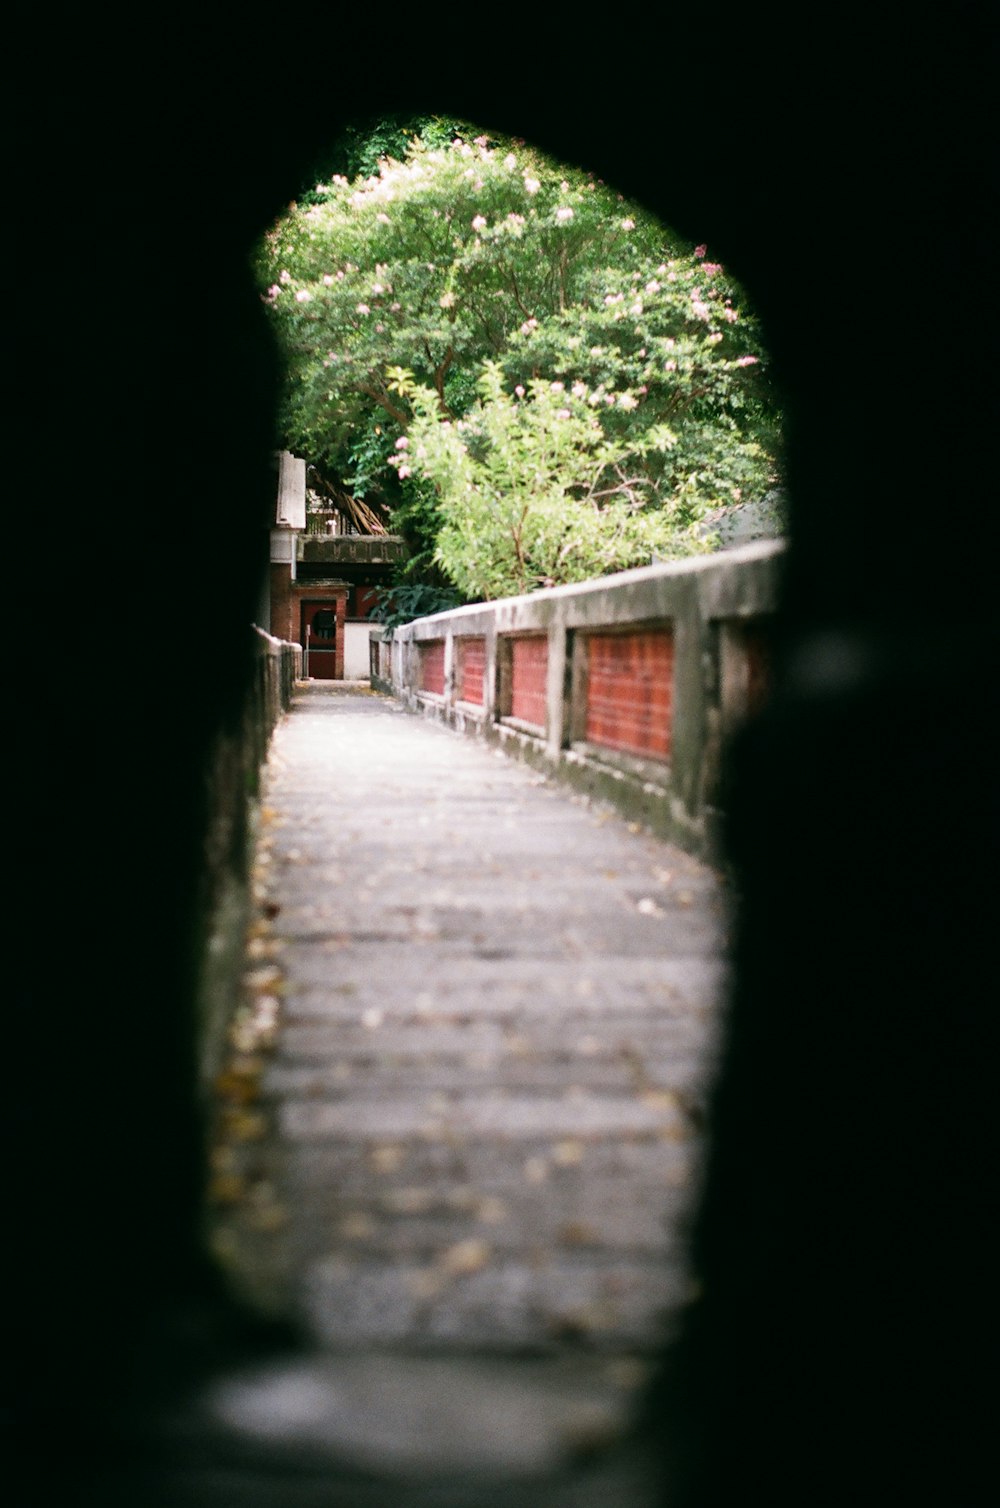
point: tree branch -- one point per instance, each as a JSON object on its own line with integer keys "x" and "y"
{"x": 439, "y": 376}
{"x": 371, "y": 391}
{"x": 517, "y": 295}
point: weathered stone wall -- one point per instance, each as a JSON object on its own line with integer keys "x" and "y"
{"x": 624, "y": 685}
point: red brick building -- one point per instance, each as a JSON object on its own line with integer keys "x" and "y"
{"x": 323, "y": 579}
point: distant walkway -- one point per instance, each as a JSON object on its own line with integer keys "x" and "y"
{"x": 463, "y": 1111}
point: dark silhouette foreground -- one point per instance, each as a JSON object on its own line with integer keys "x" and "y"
{"x": 835, "y": 1354}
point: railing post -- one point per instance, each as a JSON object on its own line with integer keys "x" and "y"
{"x": 555, "y": 690}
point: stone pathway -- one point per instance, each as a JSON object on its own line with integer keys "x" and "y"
{"x": 459, "y": 1123}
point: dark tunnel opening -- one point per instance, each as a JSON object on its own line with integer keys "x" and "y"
{"x": 842, "y": 1233}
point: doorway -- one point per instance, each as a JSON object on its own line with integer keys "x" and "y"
{"x": 319, "y": 640}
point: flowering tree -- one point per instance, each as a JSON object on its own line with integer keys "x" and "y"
{"x": 479, "y": 283}
{"x": 532, "y": 489}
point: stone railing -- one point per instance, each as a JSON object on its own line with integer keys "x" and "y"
{"x": 232, "y": 779}
{"x": 277, "y": 666}
{"x": 625, "y": 686}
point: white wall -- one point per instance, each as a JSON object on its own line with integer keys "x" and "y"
{"x": 356, "y": 661}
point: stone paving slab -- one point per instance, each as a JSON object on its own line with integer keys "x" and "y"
{"x": 399, "y": 1072}
{"x": 493, "y": 1308}
{"x": 636, "y": 1163}
{"x": 462, "y": 1109}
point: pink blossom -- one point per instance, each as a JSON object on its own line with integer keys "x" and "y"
{"x": 510, "y": 161}
{"x": 303, "y": 296}
{"x": 558, "y": 387}
{"x": 564, "y": 187}
{"x": 700, "y": 251}
{"x": 402, "y": 443}
{"x": 284, "y": 276}
{"x": 670, "y": 366}
{"x": 273, "y": 291}
{"x": 395, "y": 308}
{"x": 482, "y": 141}
{"x": 383, "y": 219}
{"x": 579, "y": 390}
{"x": 627, "y": 401}
{"x": 377, "y": 288}
{"x": 564, "y": 212}
{"x": 531, "y": 185}
{"x": 747, "y": 361}
{"x": 628, "y": 225}
{"x": 711, "y": 268}
{"x": 327, "y": 279}
{"x": 699, "y": 308}
{"x": 652, "y": 286}
{"x": 402, "y": 471}
{"x": 562, "y": 413}
{"x": 519, "y": 390}
{"x": 730, "y": 315}
{"x": 363, "y": 309}
{"x": 479, "y": 223}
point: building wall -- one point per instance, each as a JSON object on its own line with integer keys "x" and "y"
{"x": 356, "y": 651}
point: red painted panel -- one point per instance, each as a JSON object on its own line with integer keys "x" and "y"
{"x": 432, "y": 666}
{"x": 365, "y": 598}
{"x": 630, "y": 691}
{"x": 471, "y": 669}
{"x": 529, "y": 674}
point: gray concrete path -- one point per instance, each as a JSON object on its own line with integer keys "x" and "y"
{"x": 460, "y": 1117}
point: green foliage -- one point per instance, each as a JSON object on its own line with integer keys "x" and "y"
{"x": 364, "y": 144}
{"x": 408, "y": 600}
{"x": 455, "y": 285}
{"x": 533, "y": 491}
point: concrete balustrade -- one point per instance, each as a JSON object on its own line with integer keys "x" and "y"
{"x": 232, "y": 773}
{"x": 625, "y": 686}
{"x": 277, "y": 666}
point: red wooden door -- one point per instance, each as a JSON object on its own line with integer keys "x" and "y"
{"x": 319, "y": 640}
